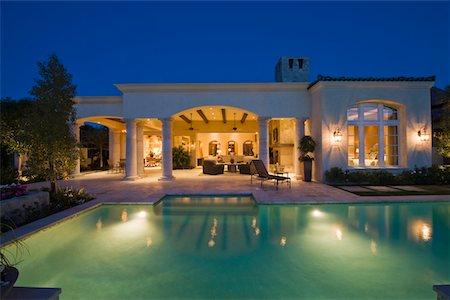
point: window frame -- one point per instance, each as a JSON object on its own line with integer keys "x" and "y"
{"x": 360, "y": 124}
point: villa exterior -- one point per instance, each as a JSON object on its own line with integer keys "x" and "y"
{"x": 357, "y": 123}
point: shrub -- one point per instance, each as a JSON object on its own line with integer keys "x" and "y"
{"x": 180, "y": 158}
{"x": 335, "y": 175}
{"x": 12, "y": 190}
{"x": 68, "y": 197}
{"x": 418, "y": 176}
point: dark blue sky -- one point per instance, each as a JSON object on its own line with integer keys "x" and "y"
{"x": 102, "y": 43}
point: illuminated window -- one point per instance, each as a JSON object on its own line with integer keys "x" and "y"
{"x": 248, "y": 148}
{"x": 372, "y": 135}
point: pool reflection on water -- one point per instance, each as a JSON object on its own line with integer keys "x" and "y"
{"x": 214, "y": 248}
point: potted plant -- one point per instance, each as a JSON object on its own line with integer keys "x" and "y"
{"x": 8, "y": 271}
{"x": 307, "y": 146}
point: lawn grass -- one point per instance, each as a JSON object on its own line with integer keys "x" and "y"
{"x": 427, "y": 190}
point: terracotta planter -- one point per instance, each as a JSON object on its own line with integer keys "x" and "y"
{"x": 307, "y": 170}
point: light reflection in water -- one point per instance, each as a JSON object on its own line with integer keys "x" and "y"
{"x": 338, "y": 233}
{"x": 99, "y": 224}
{"x": 421, "y": 230}
{"x": 149, "y": 242}
{"x": 283, "y": 241}
{"x": 317, "y": 213}
{"x": 124, "y": 215}
{"x": 373, "y": 247}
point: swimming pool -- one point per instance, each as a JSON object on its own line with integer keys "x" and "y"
{"x": 192, "y": 247}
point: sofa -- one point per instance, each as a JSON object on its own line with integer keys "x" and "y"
{"x": 210, "y": 167}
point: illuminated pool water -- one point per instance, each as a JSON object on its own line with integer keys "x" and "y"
{"x": 216, "y": 248}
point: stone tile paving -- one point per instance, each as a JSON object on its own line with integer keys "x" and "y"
{"x": 409, "y": 188}
{"x": 355, "y": 188}
{"x": 382, "y": 188}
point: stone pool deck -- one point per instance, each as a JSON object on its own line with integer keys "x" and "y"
{"x": 111, "y": 188}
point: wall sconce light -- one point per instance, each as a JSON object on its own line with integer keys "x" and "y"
{"x": 423, "y": 135}
{"x": 337, "y": 136}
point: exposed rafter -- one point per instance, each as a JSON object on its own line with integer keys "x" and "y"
{"x": 185, "y": 119}
{"x": 244, "y": 116}
{"x": 202, "y": 115}
{"x": 224, "y": 116}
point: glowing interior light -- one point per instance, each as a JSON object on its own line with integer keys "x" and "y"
{"x": 142, "y": 214}
{"x": 317, "y": 213}
{"x": 338, "y": 234}
{"x": 283, "y": 241}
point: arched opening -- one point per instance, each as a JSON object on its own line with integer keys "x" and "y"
{"x": 216, "y": 132}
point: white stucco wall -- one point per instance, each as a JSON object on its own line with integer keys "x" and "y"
{"x": 329, "y": 111}
{"x": 275, "y": 100}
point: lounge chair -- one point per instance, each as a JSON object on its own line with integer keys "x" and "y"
{"x": 264, "y": 175}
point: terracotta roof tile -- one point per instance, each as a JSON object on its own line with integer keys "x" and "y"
{"x": 402, "y": 78}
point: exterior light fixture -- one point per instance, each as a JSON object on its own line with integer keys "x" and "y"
{"x": 337, "y": 136}
{"x": 423, "y": 135}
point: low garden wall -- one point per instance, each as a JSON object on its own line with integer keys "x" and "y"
{"x": 19, "y": 209}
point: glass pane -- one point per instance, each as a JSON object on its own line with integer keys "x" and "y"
{"x": 390, "y": 160}
{"x": 371, "y": 145}
{"x": 390, "y": 130}
{"x": 352, "y": 113}
{"x": 353, "y": 144}
{"x": 389, "y": 113}
{"x": 370, "y": 112}
{"x": 391, "y": 140}
{"x": 391, "y": 150}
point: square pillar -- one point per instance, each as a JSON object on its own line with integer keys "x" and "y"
{"x": 299, "y": 133}
{"x": 263, "y": 140}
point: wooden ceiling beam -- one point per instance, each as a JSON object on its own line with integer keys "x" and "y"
{"x": 185, "y": 119}
{"x": 244, "y": 116}
{"x": 224, "y": 116}
{"x": 202, "y": 115}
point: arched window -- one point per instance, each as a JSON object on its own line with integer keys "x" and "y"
{"x": 214, "y": 148}
{"x": 247, "y": 148}
{"x": 232, "y": 148}
{"x": 373, "y": 135}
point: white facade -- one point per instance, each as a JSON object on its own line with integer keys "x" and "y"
{"x": 270, "y": 115}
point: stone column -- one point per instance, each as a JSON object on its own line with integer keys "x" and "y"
{"x": 131, "y": 163}
{"x": 167, "y": 150}
{"x": 123, "y": 144}
{"x": 114, "y": 146}
{"x": 263, "y": 140}
{"x": 140, "y": 147}
{"x": 299, "y": 133}
{"x": 76, "y": 132}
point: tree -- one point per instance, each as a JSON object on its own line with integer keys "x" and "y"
{"x": 96, "y": 137}
{"x": 442, "y": 132}
{"x": 54, "y": 151}
{"x": 14, "y": 123}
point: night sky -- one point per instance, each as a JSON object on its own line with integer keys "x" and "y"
{"x": 103, "y": 43}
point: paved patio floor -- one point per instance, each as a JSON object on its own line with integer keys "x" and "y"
{"x": 111, "y": 188}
